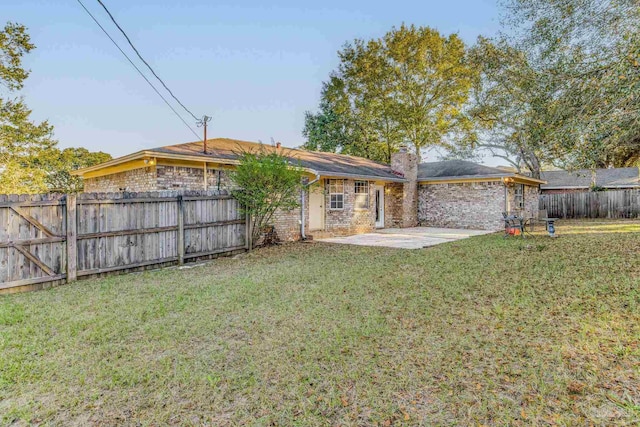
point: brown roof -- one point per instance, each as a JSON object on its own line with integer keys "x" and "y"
{"x": 326, "y": 164}
{"x": 448, "y": 170}
{"x": 582, "y": 178}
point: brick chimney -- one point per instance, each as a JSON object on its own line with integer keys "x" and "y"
{"x": 405, "y": 164}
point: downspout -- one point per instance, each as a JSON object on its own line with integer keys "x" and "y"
{"x": 302, "y": 199}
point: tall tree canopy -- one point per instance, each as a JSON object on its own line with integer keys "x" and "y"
{"x": 60, "y": 163}
{"x": 29, "y": 159}
{"x": 409, "y": 86}
{"x": 513, "y": 106}
{"x": 591, "y": 51}
{"x": 21, "y": 140}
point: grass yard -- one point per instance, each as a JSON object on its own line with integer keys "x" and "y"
{"x": 483, "y": 331}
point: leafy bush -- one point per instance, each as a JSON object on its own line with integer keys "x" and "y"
{"x": 266, "y": 181}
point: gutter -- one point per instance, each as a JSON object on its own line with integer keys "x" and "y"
{"x": 302, "y": 200}
{"x": 495, "y": 177}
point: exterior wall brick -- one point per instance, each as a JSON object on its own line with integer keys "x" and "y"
{"x": 287, "y": 222}
{"x": 530, "y": 201}
{"x": 471, "y": 205}
{"x": 137, "y": 180}
{"x": 180, "y": 178}
{"x": 406, "y": 164}
{"x": 349, "y": 220}
{"x": 393, "y": 205}
{"x": 465, "y": 205}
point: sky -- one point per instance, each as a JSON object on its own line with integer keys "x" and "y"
{"x": 254, "y": 66}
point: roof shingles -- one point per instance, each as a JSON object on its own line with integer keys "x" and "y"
{"x": 327, "y": 164}
{"x": 606, "y": 178}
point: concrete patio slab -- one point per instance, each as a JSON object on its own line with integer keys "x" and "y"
{"x": 407, "y": 238}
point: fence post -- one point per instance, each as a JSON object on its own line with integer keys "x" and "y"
{"x": 248, "y": 234}
{"x": 72, "y": 234}
{"x": 180, "y": 230}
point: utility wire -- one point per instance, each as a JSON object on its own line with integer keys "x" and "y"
{"x": 145, "y": 62}
{"x": 138, "y": 70}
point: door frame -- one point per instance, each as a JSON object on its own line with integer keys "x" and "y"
{"x": 380, "y": 207}
{"x": 318, "y": 190}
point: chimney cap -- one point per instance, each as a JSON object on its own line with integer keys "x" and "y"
{"x": 403, "y": 148}
{"x": 278, "y": 144}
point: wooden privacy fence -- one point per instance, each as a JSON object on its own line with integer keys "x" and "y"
{"x": 49, "y": 239}
{"x": 592, "y": 204}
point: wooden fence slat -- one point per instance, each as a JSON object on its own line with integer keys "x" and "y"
{"x": 72, "y": 234}
{"x": 17, "y": 209}
{"x": 52, "y": 238}
{"x": 34, "y": 259}
{"x": 603, "y": 204}
{"x": 180, "y": 240}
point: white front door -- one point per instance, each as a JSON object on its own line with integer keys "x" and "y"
{"x": 316, "y": 207}
{"x": 378, "y": 193}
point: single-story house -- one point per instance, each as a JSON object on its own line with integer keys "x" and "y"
{"x": 562, "y": 181}
{"x": 346, "y": 195}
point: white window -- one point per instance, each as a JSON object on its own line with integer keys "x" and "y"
{"x": 336, "y": 194}
{"x": 361, "y": 195}
{"x": 519, "y": 196}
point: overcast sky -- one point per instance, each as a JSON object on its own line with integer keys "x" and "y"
{"x": 254, "y": 66}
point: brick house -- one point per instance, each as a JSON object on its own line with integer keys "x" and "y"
{"x": 346, "y": 195}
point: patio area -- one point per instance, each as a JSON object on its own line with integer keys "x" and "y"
{"x": 407, "y": 238}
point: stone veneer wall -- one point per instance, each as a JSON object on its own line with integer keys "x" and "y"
{"x": 138, "y": 180}
{"x": 464, "y": 205}
{"x": 349, "y": 220}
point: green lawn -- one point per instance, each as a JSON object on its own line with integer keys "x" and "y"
{"x": 484, "y": 331}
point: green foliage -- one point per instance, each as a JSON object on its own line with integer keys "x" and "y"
{"x": 59, "y": 178}
{"x": 513, "y": 107}
{"x": 29, "y": 159}
{"x": 409, "y": 86}
{"x": 266, "y": 181}
{"x": 22, "y": 141}
{"x": 591, "y": 52}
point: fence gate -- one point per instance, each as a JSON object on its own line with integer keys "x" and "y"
{"x": 32, "y": 239}
{"x": 51, "y": 239}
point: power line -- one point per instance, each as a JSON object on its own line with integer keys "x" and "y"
{"x": 143, "y": 60}
{"x": 138, "y": 69}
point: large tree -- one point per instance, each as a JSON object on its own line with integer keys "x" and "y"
{"x": 591, "y": 49}
{"x": 409, "y": 86}
{"x": 22, "y": 140}
{"x": 29, "y": 159}
{"x": 60, "y": 163}
{"x": 513, "y": 106}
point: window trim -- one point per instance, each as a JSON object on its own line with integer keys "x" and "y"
{"x": 518, "y": 199}
{"x": 356, "y": 194}
{"x": 334, "y": 183}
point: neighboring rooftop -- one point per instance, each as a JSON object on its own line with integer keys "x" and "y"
{"x": 582, "y": 178}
